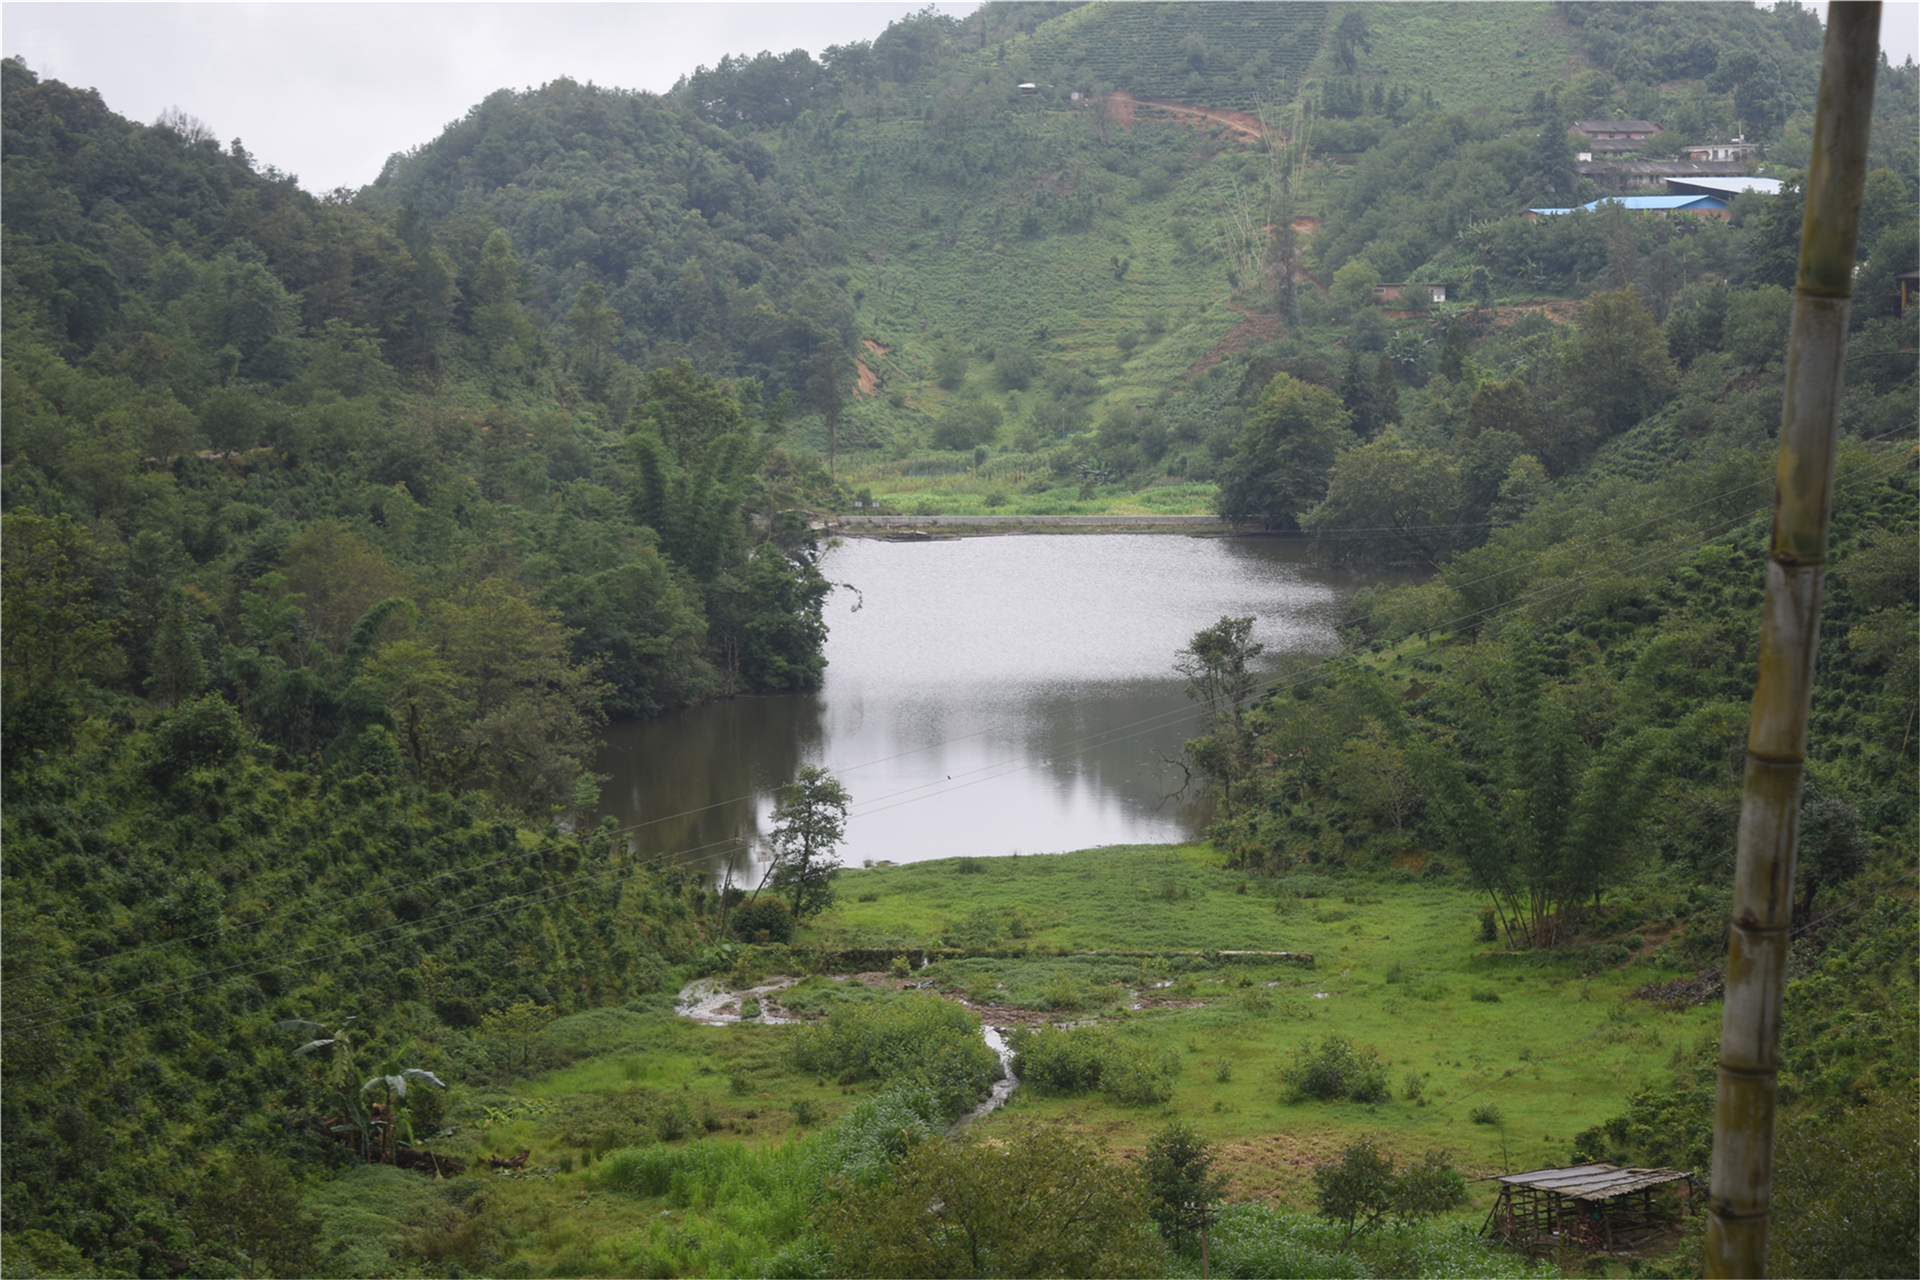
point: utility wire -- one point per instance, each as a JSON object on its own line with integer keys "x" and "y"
{"x": 1611, "y": 1022}
{"x": 1011, "y": 767}
{"x": 1317, "y": 671}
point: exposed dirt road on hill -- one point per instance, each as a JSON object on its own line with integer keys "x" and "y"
{"x": 1254, "y": 329}
{"x": 1240, "y": 122}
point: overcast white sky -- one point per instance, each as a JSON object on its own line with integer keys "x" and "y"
{"x": 329, "y": 91}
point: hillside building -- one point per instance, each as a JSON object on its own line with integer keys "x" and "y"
{"x": 1738, "y": 149}
{"x": 1384, "y": 293}
{"x": 1600, "y": 139}
{"x": 1725, "y": 188}
{"x": 1699, "y": 205}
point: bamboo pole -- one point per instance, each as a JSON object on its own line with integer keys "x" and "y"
{"x": 1740, "y": 1197}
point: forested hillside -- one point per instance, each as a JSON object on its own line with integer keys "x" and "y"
{"x": 248, "y": 418}
{"x": 1065, "y": 294}
{"x": 325, "y": 559}
{"x": 336, "y": 528}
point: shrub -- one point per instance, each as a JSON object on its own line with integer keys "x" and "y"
{"x": 1052, "y": 1060}
{"x": 966, "y": 425}
{"x": 1334, "y": 1070}
{"x": 768, "y": 915}
{"x": 1486, "y": 1114}
{"x": 978, "y": 931}
{"x": 1014, "y": 368}
{"x": 1253, "y": 1240}
{"x": 1484, "y": 996}
{"x": 1846, "y": 1190}
{"x": 672, "y": 1118}
{"x": 1307, "y": 885}
{"x": 1064, "y": 991}
{"x": 1135, "y": 1076}
{"x": 915, "y": 1039}
{"x": 252, "y": 1214}
{"x": 882, "y": 1129}
{"x": 204, "y": 732}
{"x": 1039, "y": 1202}
{"x": 1083, "y": 1060}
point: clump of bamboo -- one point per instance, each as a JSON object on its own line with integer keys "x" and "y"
{"x": 1790, "y": 625}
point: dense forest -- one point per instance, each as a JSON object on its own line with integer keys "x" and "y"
{"x": 337, "y": 527}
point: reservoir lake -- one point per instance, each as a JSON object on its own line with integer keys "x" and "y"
{"x": 985, "y": 696}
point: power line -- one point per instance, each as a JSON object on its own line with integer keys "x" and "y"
{"x": 903, "y": 797}
{"x": 1015, "y": 765}
{"x": 1612, "y": 1022}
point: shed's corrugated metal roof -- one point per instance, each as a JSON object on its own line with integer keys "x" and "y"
{"x": 1731, "y": 186}
{"x": 1659, "y": 202}
{"x": 1615, "y": 126}
{"x": 1592, "y": 1181}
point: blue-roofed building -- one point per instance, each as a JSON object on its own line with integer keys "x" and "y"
{"x": 1709, "y": 206}
{"x": 1665, "y": 204}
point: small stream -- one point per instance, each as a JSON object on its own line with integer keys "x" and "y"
{"x": 712, "y": 1004}
{"x": 1002, "y": 1088}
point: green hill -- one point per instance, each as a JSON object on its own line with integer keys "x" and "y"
{"x": 334, "y": 529}
{"x": 1044, "y": 264}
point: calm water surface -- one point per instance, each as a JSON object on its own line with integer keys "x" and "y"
{"x": 984, "y": 696}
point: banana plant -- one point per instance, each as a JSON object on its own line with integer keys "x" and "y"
{"x": 392, "y": 1082}
{"x": 394, "y": 1091}
{"x": 337, "y": 1044}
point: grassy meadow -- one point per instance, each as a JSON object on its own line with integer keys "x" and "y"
{"x": 1552, "y": 1045}
{"x": 658, "y": 1146}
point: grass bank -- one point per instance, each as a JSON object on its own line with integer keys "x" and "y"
{"x": 1536, "y": 1047}
{"x": 658, "y": 1146}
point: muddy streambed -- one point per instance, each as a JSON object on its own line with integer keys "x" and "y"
{"x": 714, "y": 1004}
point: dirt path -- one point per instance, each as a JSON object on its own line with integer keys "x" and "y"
{"x": 1253, "y": 330}
{"x": 1240, "y": 122}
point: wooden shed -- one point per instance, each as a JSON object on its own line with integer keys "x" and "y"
{"x": 1588, "y": 1206}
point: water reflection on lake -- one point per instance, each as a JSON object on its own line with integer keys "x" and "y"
{"x": 983, "y": 696}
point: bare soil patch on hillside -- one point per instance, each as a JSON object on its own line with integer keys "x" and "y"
{"x": 869, "y": 381}
{"x": 1560, "y": 311}
{"x": 1254, "y": 329}
{"x": 1240, "y": 122}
